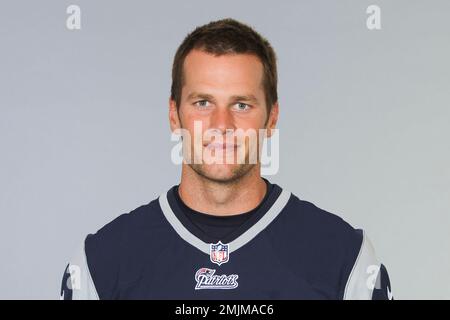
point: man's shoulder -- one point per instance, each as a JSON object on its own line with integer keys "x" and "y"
{"x": 317, "y": 244}
{"x": 118, "y": 249}
{"x": 306, "y": 219}
{"x": 319, "y": 236}
{"x": 128, "y": 225}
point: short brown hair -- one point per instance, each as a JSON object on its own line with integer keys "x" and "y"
{"x": 227, "y": 36}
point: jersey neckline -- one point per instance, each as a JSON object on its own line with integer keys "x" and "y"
{"x": 188, "y": 231}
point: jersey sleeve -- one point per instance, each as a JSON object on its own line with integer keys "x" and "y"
{"x": 368, "y": 279}
{"x": 77, "y": 283}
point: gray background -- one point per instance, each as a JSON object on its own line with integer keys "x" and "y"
{"x": 84, "y": 136}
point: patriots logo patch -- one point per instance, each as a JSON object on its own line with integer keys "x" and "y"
{"x": 207, "y": 279}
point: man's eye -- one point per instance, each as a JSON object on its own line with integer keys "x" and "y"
{"x": 242, "y": 106}
{"x": 202, "y": 103}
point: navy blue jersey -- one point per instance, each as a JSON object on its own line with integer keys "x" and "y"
{"x": 287, "y": 249}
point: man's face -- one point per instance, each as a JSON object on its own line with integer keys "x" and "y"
{"x": 222, "y": 94}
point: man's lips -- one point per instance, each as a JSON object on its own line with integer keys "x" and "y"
{"x": 223, "y": 146}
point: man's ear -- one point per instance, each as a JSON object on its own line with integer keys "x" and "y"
{"x": 273, "y": 119}
{"x": 174, "y": 119}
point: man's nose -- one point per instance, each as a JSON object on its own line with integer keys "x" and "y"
{"x": 221, "y": 119}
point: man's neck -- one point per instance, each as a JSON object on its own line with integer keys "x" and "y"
{"x": 218, "y": 198}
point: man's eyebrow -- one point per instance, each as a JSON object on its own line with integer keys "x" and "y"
{"x": 247, "y": 97}
{"x": 206, "y": 96}
{"x": 199, "y": 95}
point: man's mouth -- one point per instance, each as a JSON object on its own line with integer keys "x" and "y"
{"x": 221, "y": 146}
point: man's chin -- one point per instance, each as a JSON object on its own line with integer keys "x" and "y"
{"x": 222, "y": 173}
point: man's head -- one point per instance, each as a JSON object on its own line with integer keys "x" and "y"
{"x": 224, "y": 76}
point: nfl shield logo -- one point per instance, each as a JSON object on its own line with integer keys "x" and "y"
{"x": 219, "y": 253}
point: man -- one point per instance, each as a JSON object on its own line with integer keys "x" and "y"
{"x": 225, "y": 232}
